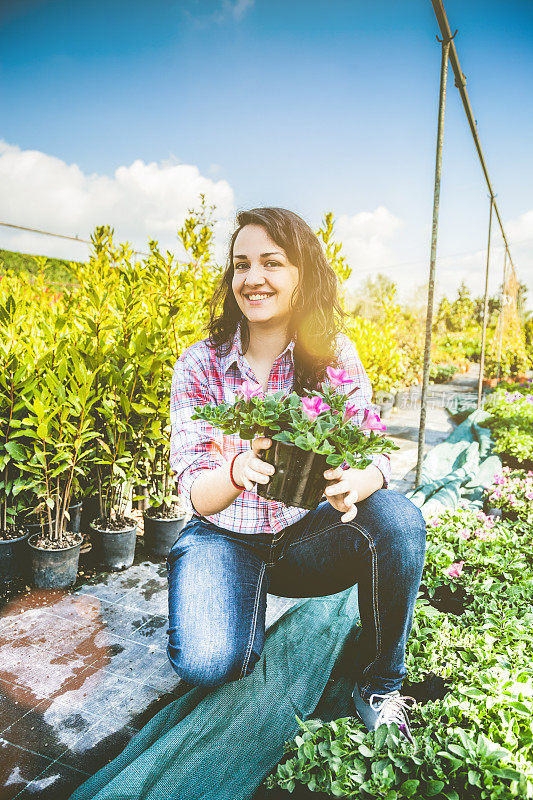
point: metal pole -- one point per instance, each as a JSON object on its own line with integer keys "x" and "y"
{"x": 460, "y": 82}
{"x": 433, "y": 258}
{"x": 502, "y": 303}
{"x": 485, "y": 308}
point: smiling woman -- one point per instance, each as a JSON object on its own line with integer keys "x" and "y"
{"x": 276, "y": 320}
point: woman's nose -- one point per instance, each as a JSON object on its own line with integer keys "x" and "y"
{"x": 255, "y": 275}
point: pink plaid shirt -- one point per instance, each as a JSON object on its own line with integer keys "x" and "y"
{"x": 200, "y": 377}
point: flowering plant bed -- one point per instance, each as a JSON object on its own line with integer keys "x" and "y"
{"x": 320, "y": 422}
{"x": 512, "y": 492}
{"x": 476, "y": 742}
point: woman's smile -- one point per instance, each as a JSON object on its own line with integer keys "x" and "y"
{"x": 255, "y": 298}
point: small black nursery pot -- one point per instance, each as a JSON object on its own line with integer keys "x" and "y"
{"x": 299, "y": 476}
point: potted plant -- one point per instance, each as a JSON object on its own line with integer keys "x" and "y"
{"x": 121, "y": 345}
{"x": 58, "y": 438}
{"x": 166, "y": 516}
{"x": 308, "y": 434}
{"x": 16, "y": 377}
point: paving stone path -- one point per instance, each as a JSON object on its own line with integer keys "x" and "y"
{"x": 82, "y": 670}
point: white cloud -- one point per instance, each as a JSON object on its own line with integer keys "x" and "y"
{"x": 237, "y": 9}
{"x": 366, "y": 240}
{"x": 141, "y": 201}
{"x": 226, "y": 11}
{"x": 471, "y": 267}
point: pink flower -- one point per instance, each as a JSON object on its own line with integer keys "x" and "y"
{"x": 464, "y": 533}
{"x": 313, "y": 406}
{"x": 454, "y": 570}
{"x": 372, "y": 422}
{"x": 529, "y": 494}
{"x": 248, "y": 389}
{"x": 498, "y": 479}
{"x": 338, "y": 377}
{"x": 434, "y": 522}
{"x": 349, "y": 412}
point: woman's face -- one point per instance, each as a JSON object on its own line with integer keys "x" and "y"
{"x": 261, "y": 267}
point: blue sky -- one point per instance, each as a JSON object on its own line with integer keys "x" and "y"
{"x": 314, "y": 106}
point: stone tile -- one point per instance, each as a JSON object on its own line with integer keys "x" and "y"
{"x": 57, "y": 782}
{"x": 153, "y": 633}
{"x": 34, "y": 599}
{"x": 39, "y": 628}
{"x": 132, "y": 660}
{"x": 99, "y": 745}
{"x": 47, "y": 733}
{"x": 15, "y": 701}
{"x": 18, "y": 767}
{"x": 115, "y": 619}
{"x": 101, "y": 692}
{"x": 150, "y": 595}
{"x": 164, "y": 678}
{"x": 40, "y": 673}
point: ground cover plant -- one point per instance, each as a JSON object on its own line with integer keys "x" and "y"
{"x": 511, "y": 423}
{"x": 476, "y": 742}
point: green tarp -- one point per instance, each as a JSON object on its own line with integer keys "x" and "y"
{"x": 457, "y": 469}
{"x": 219, "y": 744}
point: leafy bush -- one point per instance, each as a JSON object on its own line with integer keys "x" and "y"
{"x": 385, "y": 362}
{"x": 511, "y": 423}
{"x": 441, "y": 373}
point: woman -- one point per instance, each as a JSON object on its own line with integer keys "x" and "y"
{"x": 278, "y": 326}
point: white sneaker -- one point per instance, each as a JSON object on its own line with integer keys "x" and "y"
{"x": 384, "y": 709}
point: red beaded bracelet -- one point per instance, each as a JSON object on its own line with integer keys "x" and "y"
{"x": 231, "y": 473}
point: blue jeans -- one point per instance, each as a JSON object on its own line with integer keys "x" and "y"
{"x": 219, "y": 579}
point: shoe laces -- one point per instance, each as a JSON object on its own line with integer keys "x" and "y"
{"x": 393, "y": 708}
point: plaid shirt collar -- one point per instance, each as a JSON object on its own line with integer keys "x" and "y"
{"x": 235, "y": 354}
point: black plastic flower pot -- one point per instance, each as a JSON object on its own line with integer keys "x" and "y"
{"x": 53, "y": 569}
{"x": 299, "y": 476}
{"x": 90, "y": 510}
{"x": 33, "y": 523}
{"x": 73, "y": 525}
{"x": 13, "y": 561}
{"x": 160, "y": 534}
{"x": 113, "y": 549}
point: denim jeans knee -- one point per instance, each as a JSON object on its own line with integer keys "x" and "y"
{"x": 211, "y": 665}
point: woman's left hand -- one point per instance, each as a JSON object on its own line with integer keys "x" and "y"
{"x": 341, "y": 491}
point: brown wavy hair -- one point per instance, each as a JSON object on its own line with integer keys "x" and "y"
{"x": 317, "y": 314}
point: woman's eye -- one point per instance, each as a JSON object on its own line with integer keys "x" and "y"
{"x": 244, "y": 264}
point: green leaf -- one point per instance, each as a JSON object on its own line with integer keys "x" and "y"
{"x": 408, "y": 788}
{"x": 380, "y": 736}
{"x": 433, "y": 787}
{"x": 15, "y": 450}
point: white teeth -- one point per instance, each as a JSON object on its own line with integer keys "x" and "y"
{"x": 257, "y": 296}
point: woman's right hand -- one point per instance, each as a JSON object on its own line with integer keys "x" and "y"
{"x": 249, "y": 469}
